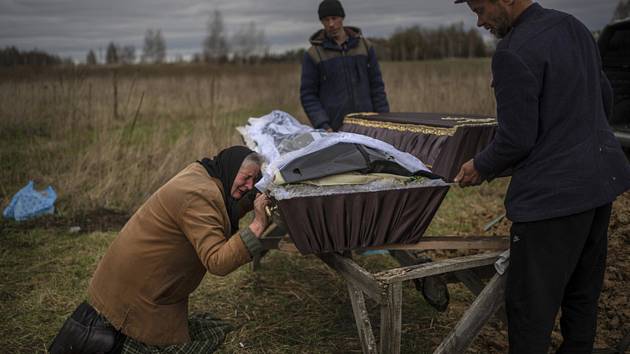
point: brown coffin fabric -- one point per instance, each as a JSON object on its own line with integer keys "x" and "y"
{"x": 461, "y": 147}
{"x": 350, "y": 221}
{"x": 443, "y": 141}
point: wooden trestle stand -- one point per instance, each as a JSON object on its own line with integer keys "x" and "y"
{"x": 385, "y": 287}
{"x": 444, "y": 142}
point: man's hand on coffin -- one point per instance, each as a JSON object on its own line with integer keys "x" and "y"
{"x": 261, "y": 221}
{"x": 468, "y": 175}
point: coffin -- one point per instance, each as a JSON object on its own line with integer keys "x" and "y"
{"x": 442, "y": 141}
{"x": 334, "y": 223}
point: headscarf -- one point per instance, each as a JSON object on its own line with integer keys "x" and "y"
{"x": 225, "y": 167}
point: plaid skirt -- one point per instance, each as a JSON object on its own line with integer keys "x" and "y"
{"x": 207, "y": 333}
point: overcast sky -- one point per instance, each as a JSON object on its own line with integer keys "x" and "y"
{"x": 72, "y": 27}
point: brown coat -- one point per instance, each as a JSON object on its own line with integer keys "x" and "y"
{"x": 143, "y": 282}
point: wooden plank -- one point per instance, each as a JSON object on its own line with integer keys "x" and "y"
{"x": 359, "y": 277}
{"x": 473, "y": 320}
{"x": 470, "y": 280}
{"x": 451, "y": 243}
{"x": 270, "y": 243}
{"x": 270, "y": 230}
{"x": 364, "y": 327}
{"x": 391, "y": 318}
{"x": 431, "y": 243}
{"x": 406, "y": 258}
{"x": 482, "y": 273}
{"x": 437, "y": 267}
{"x": 287, "y": 246}
{"x": 474, "y": 283}
{"x": 255, "y": 265}
{"x": 256, "y": 260}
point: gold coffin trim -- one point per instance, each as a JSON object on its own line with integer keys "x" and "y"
{"x": 418, "y": 128}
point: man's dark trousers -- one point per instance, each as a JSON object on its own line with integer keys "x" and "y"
{"x": 556, "y": 263}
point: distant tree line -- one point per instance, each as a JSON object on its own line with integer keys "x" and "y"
{"x": 417, "y": 43}
{"x": 413, "y": 43}
{"x": 11, "y": 56}
{"x": 249, "y": 45}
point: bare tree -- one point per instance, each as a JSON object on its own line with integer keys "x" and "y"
{"x": 90, "y": 58}
{"x": 154, "y": 50}
{"x": 111, "y": 54}
{"x": 215, "y": 46}
{"x": 160, "y": 47}
{"x": 127, "y": 54}
{"x": 148, "y": 49}
{"x": 622, "y": 11}
{"x": 249, "y": 43}
{"x": 197, "y": 58}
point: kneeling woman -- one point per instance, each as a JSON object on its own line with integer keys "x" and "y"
{"x": 138, "y": 296}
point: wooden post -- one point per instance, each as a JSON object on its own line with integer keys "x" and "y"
{"x": 451, "y": 243}
{"x": 115, "y": 95}
{"x": 391, "y": 319}
{"x": 484, "y": 307}
{"x": 256, "y": 263}
{"x": 438, "y": 267}
{"x": 470, "y": 279}
{"x": 406, "y": 258}
{"x": 386, "y": 288}
{"x": 356, "y": 275}
{"x": 366, "y": 336}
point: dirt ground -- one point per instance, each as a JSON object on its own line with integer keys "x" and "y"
{"x": 95, "y": 220}
{"x": 614, "y": 311}
{"x": 614, "y": 306}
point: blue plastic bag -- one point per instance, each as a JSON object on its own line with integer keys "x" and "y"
{"x": 28, "y": 203}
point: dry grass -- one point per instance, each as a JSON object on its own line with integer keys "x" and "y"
{"x": 295, "y": 304}
{"x": 109, "y": 137}
{"x": 110, "y": 140}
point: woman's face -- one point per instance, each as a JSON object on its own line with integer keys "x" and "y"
{"x": 245, "y": 180}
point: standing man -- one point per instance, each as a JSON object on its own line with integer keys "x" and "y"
{"x": 138, "y": 296}
{"x": 552, "y": 103}
{"x": 340, "y": 73}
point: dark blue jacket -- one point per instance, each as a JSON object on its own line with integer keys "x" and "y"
{"x": 338, "y": 80}
{"x": 552, "y": 103}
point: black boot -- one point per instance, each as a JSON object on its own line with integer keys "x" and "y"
{"x": 85, "y": 331}
{"x": 433, "y": 289}
{"x": 435, "y": 292}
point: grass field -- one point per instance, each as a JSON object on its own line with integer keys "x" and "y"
{"x": 110, "y": 137}
{"x": 107, "y": 138}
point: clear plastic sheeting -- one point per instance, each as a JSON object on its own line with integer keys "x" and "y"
{"x": 297, "y": 190}
{"x": 281, "y": 139}
{"x": 268, "y": 135}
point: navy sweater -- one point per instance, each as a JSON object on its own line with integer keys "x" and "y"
{"x": 552, "y": 103}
